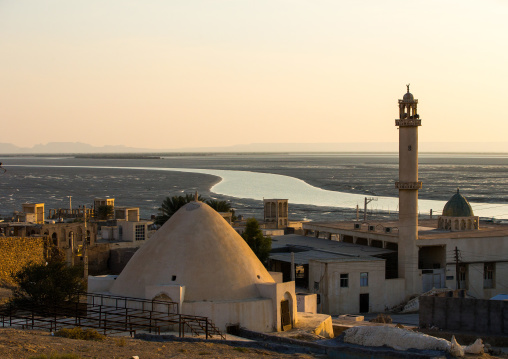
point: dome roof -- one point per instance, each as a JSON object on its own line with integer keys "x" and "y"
{"x": 458, "y": 206}
{"x": 408, "y": 97}
{"x": 198, "y": 249}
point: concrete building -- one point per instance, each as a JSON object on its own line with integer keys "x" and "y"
{"x": 199, "y": 261}
{"x": 127, "y": 226}
{"x": 347, "y": 277}
{"x": 31, "y": 213}
{"x": 97, "y": 202}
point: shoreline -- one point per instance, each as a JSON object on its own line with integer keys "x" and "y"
{"x": 233, "y": 183}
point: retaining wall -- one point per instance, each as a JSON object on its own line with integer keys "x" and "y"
{"x": 463, "y": 314}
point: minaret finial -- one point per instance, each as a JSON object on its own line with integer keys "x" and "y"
{"x": 457, "y": 189}
{"x": 196, "y": 197}
{"x": 408, "y": 87}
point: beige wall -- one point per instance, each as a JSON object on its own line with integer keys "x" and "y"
{"x": 255, "y": 314}
{"x": 279, "y": 292}
{"x": 306, "y": 303}
{"x": 474, "y": 252}
{"x": 337, "y": 300}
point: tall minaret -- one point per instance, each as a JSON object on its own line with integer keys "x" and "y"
{"x": 408, "y": 186}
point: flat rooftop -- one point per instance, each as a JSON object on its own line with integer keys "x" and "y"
{"x": 427, "y": 229}
{"x": 307, "y": 248}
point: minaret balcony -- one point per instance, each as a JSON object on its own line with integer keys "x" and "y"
{"x": 408, "y": 122}
{"x": 408, "y": 185}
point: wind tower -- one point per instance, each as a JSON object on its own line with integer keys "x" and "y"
{"x": 408, "y": 186}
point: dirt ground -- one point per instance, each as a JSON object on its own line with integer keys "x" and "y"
{"x": 23, "y": 344}
{"x": 17, "y": 344}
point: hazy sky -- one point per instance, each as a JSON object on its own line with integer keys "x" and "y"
{"x": 188, "y": 73}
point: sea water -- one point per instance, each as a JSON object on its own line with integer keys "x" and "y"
{"x": 319, "y": 186}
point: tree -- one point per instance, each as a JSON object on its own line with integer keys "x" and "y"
{"x": 260, "y": 245}
{"x": 170, "y": 205}
{"x": 47, "y": 284}
{"x": 221, "y": 206}
{"x": 104, "y": 212}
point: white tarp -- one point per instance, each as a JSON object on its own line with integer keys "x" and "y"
{"x": 403, "y": 339}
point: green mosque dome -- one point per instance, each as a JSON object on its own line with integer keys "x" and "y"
{"x": 458, "y": 206}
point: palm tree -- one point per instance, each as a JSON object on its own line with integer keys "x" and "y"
{"x": 104, "y": 212}
{"x": 170, "y": 205}
{"x": 221, "y": 206}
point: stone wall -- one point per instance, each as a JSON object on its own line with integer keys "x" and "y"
{"x": 481, "y": 316}
{"x": 16, "y": 252}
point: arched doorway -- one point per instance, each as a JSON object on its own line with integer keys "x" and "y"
{"x": 286, "y": 312}
{"x": 170, "y": 307}
{"x": 54, "y": 239}
{"x": 71, "y": 239}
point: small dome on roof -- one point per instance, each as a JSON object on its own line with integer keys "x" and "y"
{"x": 408, "y": 96}
{"x": 458, "y": 206}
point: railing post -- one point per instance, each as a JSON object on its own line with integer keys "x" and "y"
{"x": 76, "y": 313}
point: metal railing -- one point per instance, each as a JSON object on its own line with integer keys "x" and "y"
{"x": 109, "y": 315}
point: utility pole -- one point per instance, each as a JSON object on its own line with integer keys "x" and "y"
{"x": 367, "y": 201}
{"x": 457, "y": 267}
{"x": 293, "y": 266}
{"x": 85, "y": 247}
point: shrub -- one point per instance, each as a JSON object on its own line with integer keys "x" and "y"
{"x": 47, "y": 284}
{"x": 260, "y": 245}
{"x": 78, "y": 333}
{"x": 382, "y": 318}
{"x": 120, "y": 342}
{"x": 56, "y": 356}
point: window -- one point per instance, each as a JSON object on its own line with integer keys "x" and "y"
{"x": 344, "y": 280}
{"x": 462, "y": 276}
{"x": 488, "y": 275}
{"x": 140, "y": 232}
{"x": 364, "y": 279}
{"x": 300, "y": 272}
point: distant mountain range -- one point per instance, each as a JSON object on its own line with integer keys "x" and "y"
{"x": 66, "y": 147}
{"x": 81, "y": 148}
